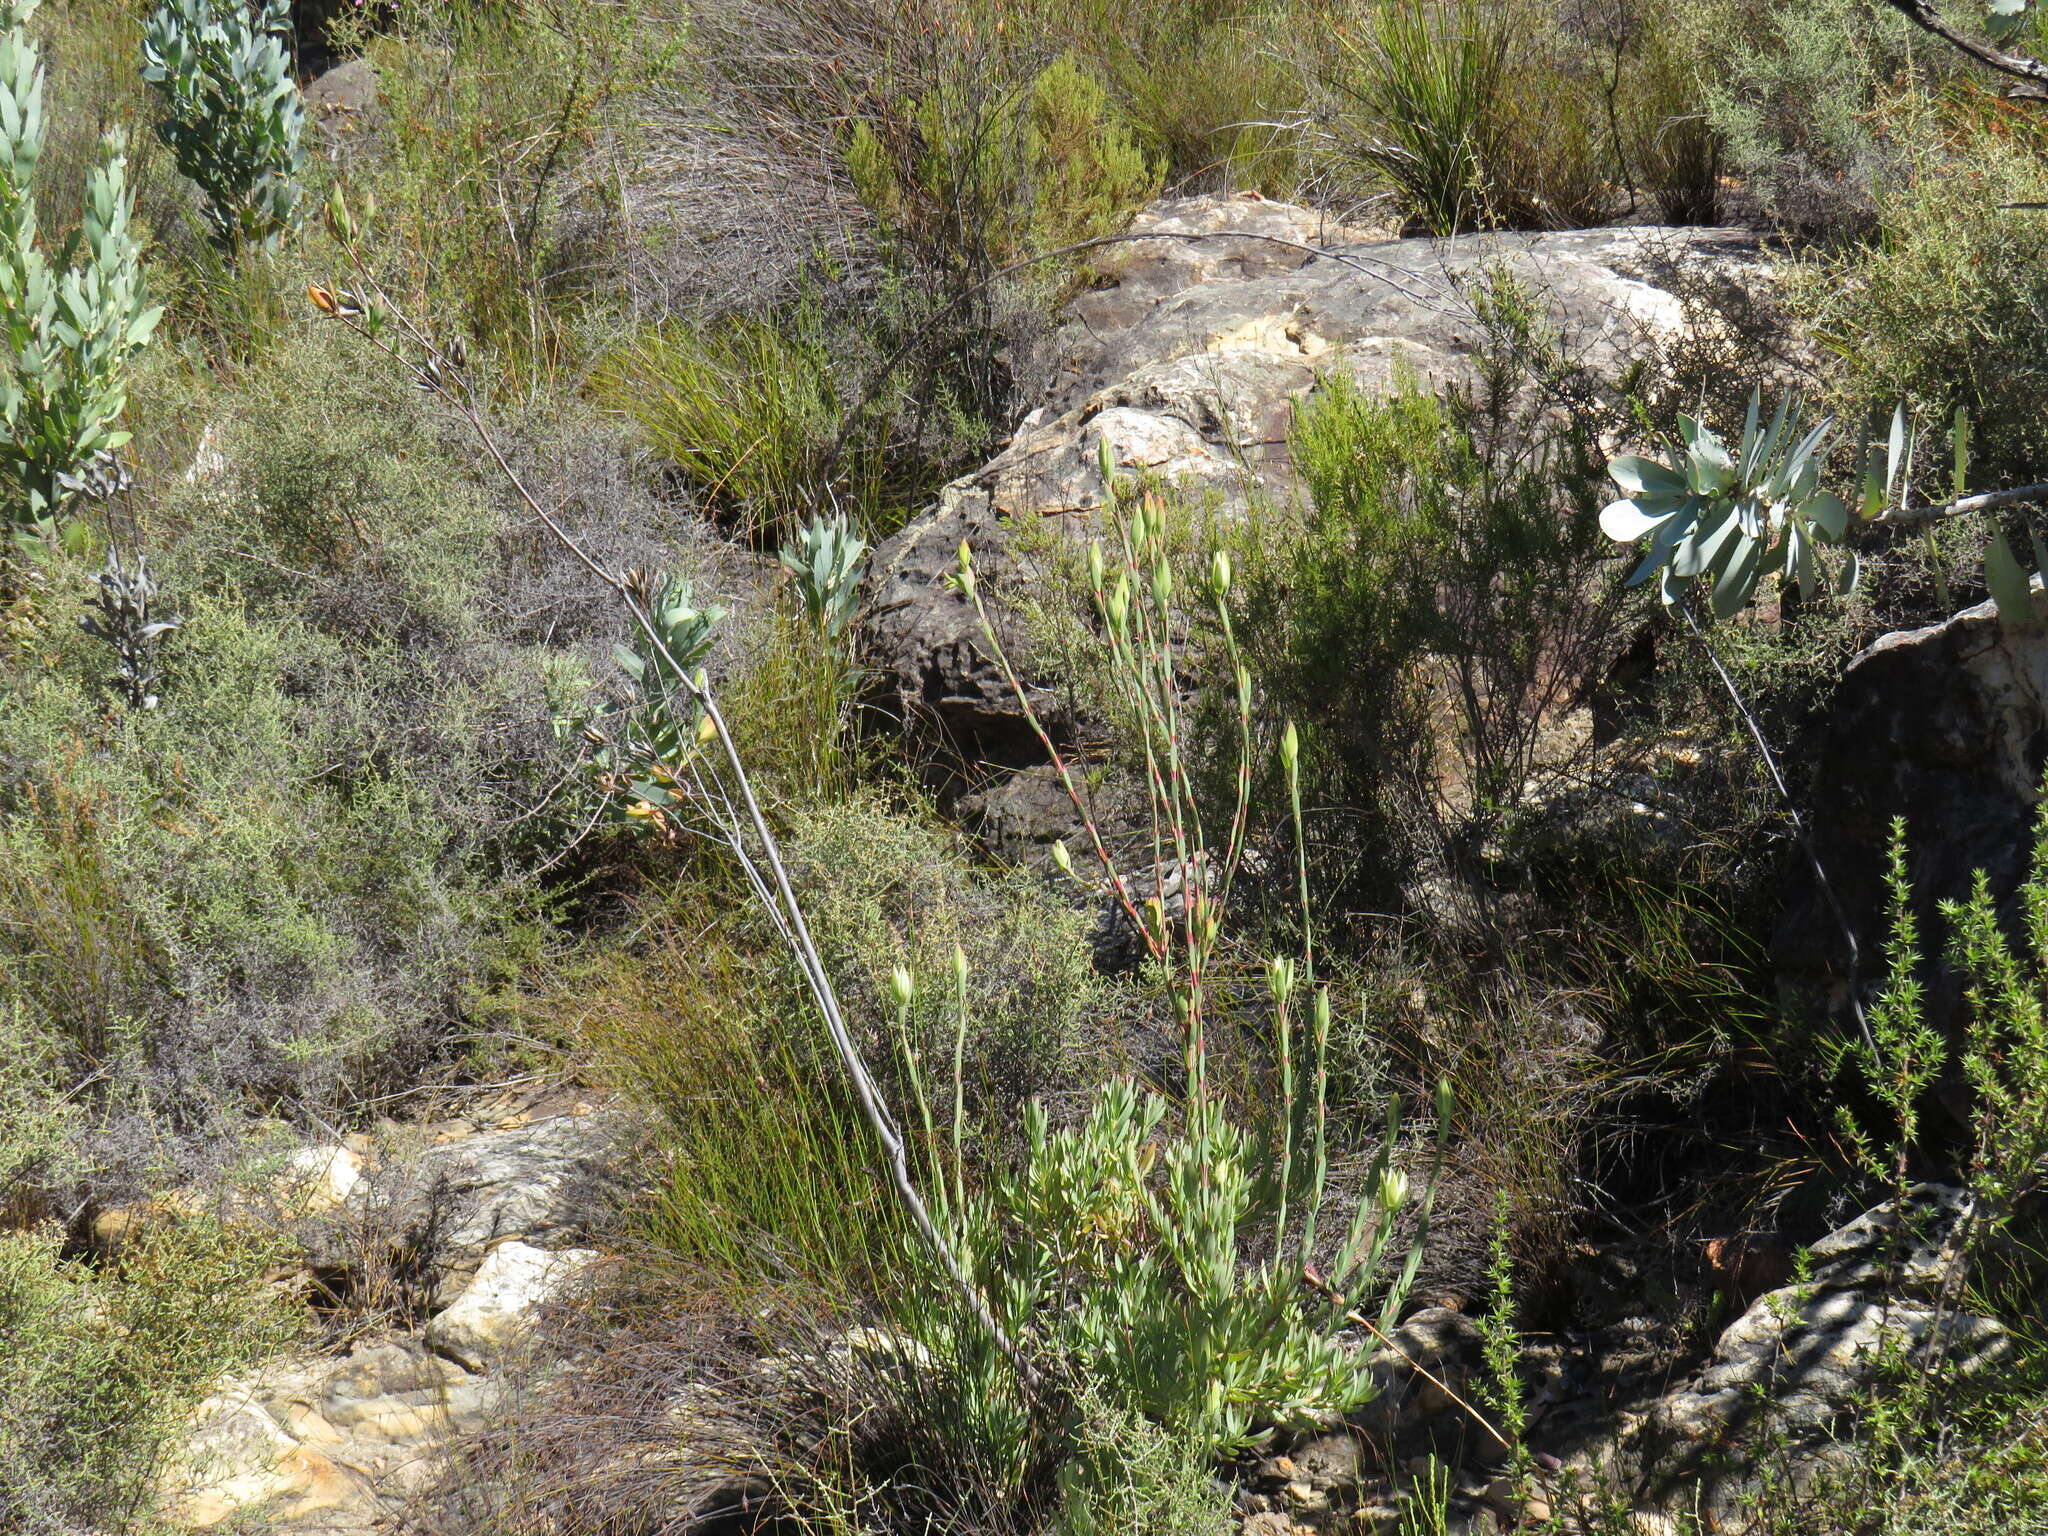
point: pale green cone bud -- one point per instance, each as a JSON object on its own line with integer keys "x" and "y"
{"x": 1280, "y": 978}
{"x": 1219, "y": 574}
{"x": 902, "y": 986}
{"x": 1095, "y": 565}
{"x": 1393, "y": 1190}
{"x": 1062, "y": 860}
{"x": 959, "y": 966}
{"x": 1290, "y": 750}
{"x": 1155, "y": 917}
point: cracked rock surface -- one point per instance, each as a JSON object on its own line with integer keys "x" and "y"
{"x": 1187, "y": 362}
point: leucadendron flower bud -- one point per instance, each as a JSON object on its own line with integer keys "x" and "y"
{"x": 1280, "y": 978}
{"x": 1393, "y": 1190}
{"x": 1219, "y": 574}
{"x": 902, "y": 986}
{"x": 1290, "y": 750}
{"x": 1095, "y": 565}
{"x": 963, "y": 578}
{"x": 959, "y": 966}
{"x": 1116, "y": 607}
{"x": 1062, "y": 860}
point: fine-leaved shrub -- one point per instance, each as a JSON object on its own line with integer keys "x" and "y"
{"x": 1947, "y": 308}
{"x": 1425, "y": 609}
{"x": 100, "y": 1368}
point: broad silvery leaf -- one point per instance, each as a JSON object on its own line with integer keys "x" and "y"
{"x": 2010, "y": 588}
{"x": 1757, "y": 512}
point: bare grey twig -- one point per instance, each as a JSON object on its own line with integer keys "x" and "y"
{"x": 440, "y": 372}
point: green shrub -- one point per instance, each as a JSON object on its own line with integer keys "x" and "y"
{"x": 1202, "y": 84}
{"x": 975, "y": 175}
{"x": 1420, "y": 607}
{"x": 1671, "y": 146}
{"x": 289, "y": 882}
{"x": 1809, "y": 96}
{"x": 100, "y": 1368}
{"x": 1479, "y": 115}
{"x": 768, "y": 1175}
{"x": 234, "y": 116}
{"x": 1948, "y": 308}
{"x": 496, "y": 182}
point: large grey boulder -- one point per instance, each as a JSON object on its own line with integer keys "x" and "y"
{"x": 1946, "y": 726}
{"x": 543, "y": 1182}
{"x": 1187, "y": 362}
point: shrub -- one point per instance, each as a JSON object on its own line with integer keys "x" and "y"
{"x": 1427, "y": 608}
{"x": 100, "y": 1368}
{"x": 1670, "y": 143}
{"x": 979, "y": 172}
{"x": 1947, "y": 309}
{"x": 290, "y": 881}
{"x": 1203, "y": 85}
{"x": 1161, "y": 1271}
{"x": 768, "y": 1180}
{"x": 70, "y": 333}
{"x": 496, "y": 182}
{"x": 234, "y": 114}
{"x": 1808, "y": 97}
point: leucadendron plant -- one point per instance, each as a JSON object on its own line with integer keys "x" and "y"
{"x": 1163, "y": 1252}
{"x": 234, "y": 117}
{"x": 69, "y": 331}
{"x": 1719, "y": 522}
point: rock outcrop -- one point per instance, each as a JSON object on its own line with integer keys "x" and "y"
{"x": 1946, "y": 727}
{"x": 1793, "y": 1374}
{"x": 327, "y": 1444}
{"x": 1187, "y": 362}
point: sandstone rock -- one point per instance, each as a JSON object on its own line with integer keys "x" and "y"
{"x": 316, "y": 1180}
{"x": 496, "y": 1311}
{"x": 1946, "y": 726}
{"x": 313, "y": 1444}
{"x": 1187, "y": 363}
